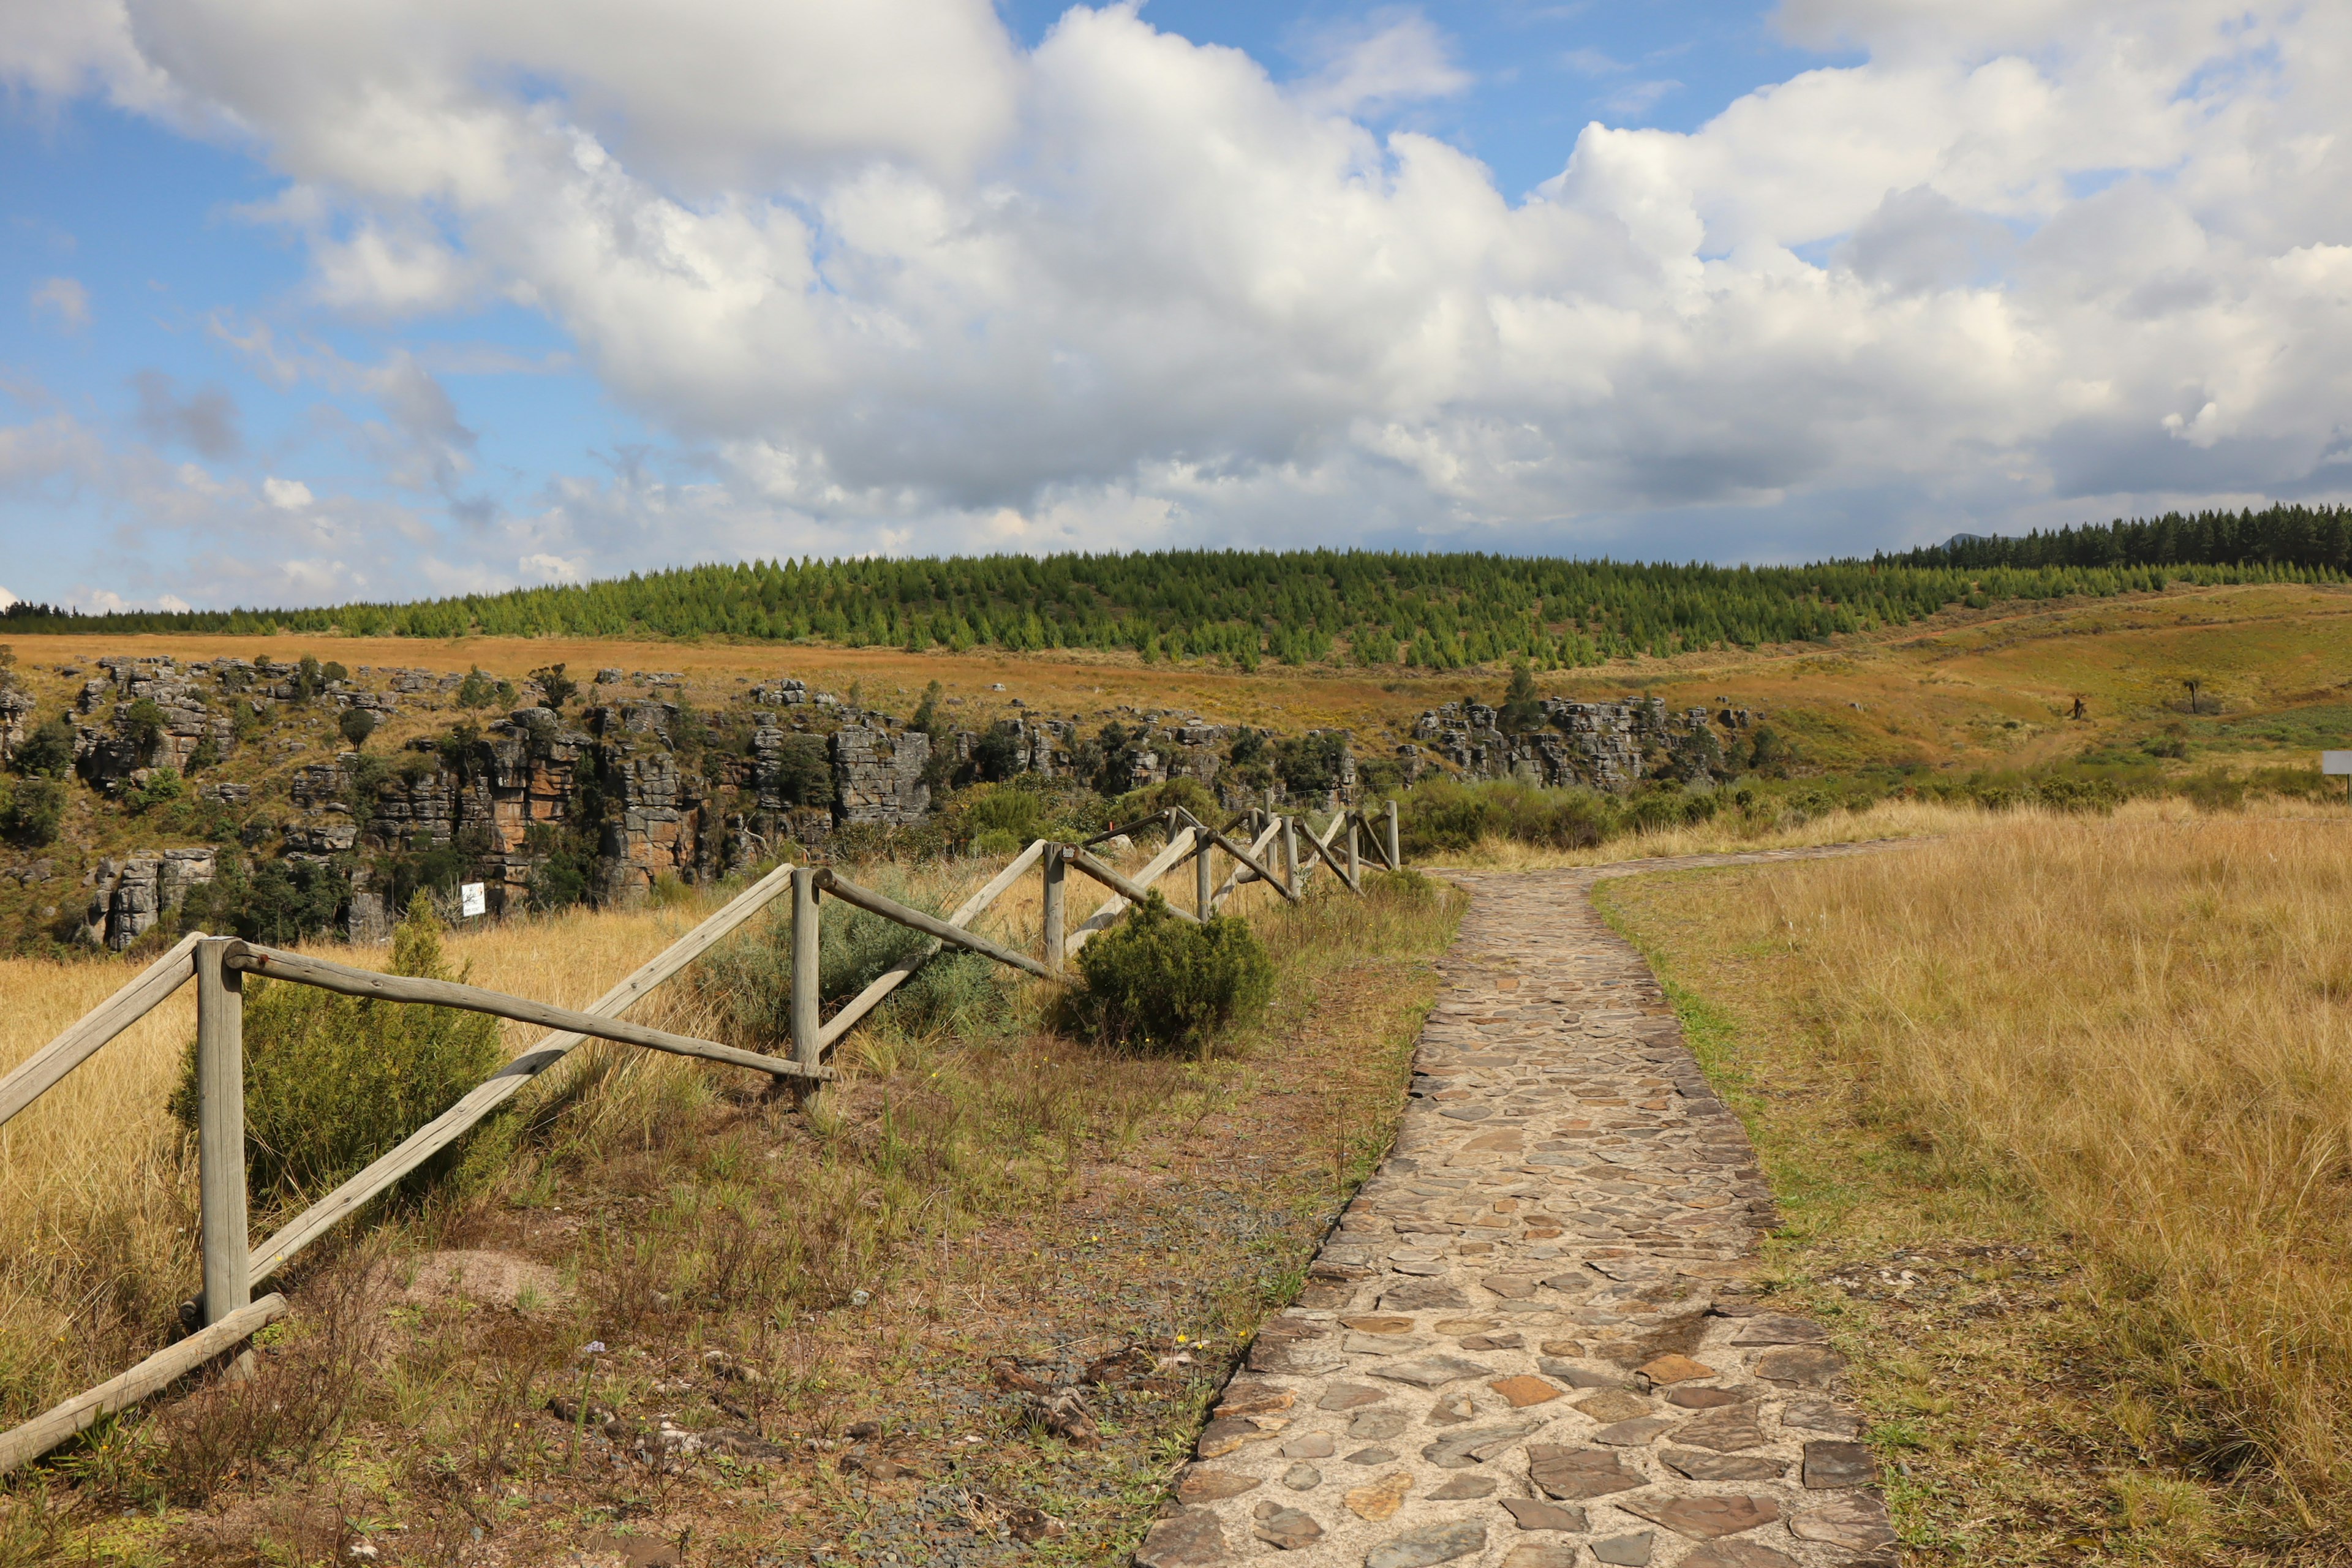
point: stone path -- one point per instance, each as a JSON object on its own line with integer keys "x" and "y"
{"x": 1531, "y": 1342}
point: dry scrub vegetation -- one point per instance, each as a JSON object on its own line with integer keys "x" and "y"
{"x": 2060, "y": 1112}
{"x": 1730, "y": 834}
{"x": 846, "y": 1304}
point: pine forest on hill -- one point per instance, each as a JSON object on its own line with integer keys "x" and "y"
{"x": 1362, "y": 607}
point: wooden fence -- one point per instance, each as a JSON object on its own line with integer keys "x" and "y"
{"x": 218, "y": 966}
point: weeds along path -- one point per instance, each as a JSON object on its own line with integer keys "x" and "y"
{"x": 1532, "y": 1333}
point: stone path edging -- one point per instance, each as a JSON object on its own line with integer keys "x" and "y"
{"x": 1530, "y": 1342}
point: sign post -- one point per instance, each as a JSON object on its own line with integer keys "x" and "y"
{"x": 2335, "y": 764}
{"x": 472, "y": 900}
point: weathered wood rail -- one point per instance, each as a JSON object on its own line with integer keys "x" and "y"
{"x": 218, "y": 966}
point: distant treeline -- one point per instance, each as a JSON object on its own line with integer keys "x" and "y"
{"x": 1431, "y": 611}
{"x": 2309, "y": 537}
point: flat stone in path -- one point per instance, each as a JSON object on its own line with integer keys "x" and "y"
{"x": 1531, "y": 1342}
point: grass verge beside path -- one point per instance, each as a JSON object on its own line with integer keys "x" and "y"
{"x": 2057, "y": 1113}
{"x": 860, "y": 1314}
{"x": 1729, "y": 834}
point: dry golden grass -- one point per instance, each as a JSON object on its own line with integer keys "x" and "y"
{"x": 2143, "y": 1021}
{"x": 2119, "y": 1047}
{"x": 97, "y": 1183}
{"x": 1728, "y": 835}
{"x": 1887, "y": 819}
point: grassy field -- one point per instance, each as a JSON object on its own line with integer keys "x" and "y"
{"x": 852, "y": 1301}
{"x": 1966, "y": 689}
{"x": 2058, "y": 1112}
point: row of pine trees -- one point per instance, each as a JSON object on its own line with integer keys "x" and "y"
{"x": 1365, "y": 607}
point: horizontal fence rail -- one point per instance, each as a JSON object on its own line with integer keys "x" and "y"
{"x": 158, "y": 1371}
{"x": 1117, "y": 904}
{"x": 1273, "y": 856}
{"x": 890, "y": 979}
{"x": 849, "y": 892}
{"x": 39, "y": 1072}
{"x": 1133, "y": 891}
{"x": 271, "y": 964}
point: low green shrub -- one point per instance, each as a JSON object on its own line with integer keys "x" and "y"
{"x": 33, "y": 812}
{"x": 1442, "y": 815}
{"x": 1023, "y": 807}
{"x": 278, "y": 901}
{"x": 1408, "y": 888}
{"x": 1189, "y": 792}
{"x": 1156, "y": 979}
{"x": 163, "y": 787}
{"x": 333, "y": 1081}
{"x": 2063, "y": 793}
{"x": 48, "y": 750}
{"x": 990, "y": 842}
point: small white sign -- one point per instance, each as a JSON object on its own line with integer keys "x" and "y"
{"x": 473, "y": 899}
{"x": 2336, "y": 764}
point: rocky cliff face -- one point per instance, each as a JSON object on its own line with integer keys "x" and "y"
{"x": 15, "y": 719}
{"x": 624, "y": 792}
{"x": 1600, "y": 745}
{"x": 130, "y": 897}
{"x": 141, "y": 715}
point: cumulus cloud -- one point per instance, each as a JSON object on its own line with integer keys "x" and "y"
{"x": 883, "y": 277}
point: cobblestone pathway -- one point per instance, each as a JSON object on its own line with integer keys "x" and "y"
{"x": 1530, "y": 1342}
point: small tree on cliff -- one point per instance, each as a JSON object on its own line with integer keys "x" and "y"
{"x": 1522, "y": 706}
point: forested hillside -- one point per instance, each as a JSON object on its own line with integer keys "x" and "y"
{"x": 2312, "y": 537}
{"x": 1431, "y": 611}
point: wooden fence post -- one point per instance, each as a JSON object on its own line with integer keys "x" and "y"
{"x": 1396, "y": 859}
{"x": 220, "y": 1130}
{"x": 1055, "y": 863}
{"x": 806, "y": 1049}
{"x": 1355, "y": 871}
{"x": 1290, "y": 852}
{"x": 1204, "y": 880}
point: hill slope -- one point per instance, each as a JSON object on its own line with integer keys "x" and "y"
{"x": 1368, "y": 609}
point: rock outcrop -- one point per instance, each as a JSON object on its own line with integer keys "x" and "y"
{"x": 130, "y": 897}
{"x": 613, "y": 797}
{"x": 1601, "y": 746}
{"x": 16, "y": 718}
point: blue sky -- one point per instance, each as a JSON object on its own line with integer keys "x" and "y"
{"x": 450, "y": 298}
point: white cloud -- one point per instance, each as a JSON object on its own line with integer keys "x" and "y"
{"x": 57, "y": 49}
{"x": 286, "y": 495}
{"x": 540, "y": 567}
{"x": 63, "y": 298}
{"x": 8, "y": 598}
{"x": 1636, "y": 99}
{"x": 382, "y": 271}
{"x": 1396, "y": 58}
{"x": 883, "y": 277}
